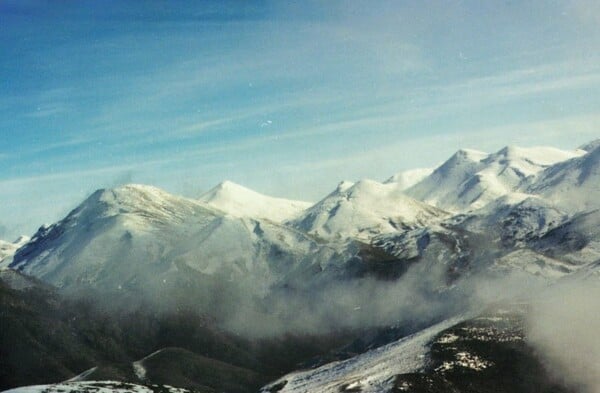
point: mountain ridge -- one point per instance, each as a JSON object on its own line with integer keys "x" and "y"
{"x": 368, "y": 254}
{"x": 470, "y": 179}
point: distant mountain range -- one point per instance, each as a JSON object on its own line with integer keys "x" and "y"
{"x": 408, "y": 254}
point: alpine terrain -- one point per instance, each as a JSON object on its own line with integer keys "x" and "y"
{"x": 454, "y": 279}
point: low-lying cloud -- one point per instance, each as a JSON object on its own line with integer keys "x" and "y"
{"x": 564, "y": 327}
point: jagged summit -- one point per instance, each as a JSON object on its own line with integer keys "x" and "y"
{"x": 240, "y": 201}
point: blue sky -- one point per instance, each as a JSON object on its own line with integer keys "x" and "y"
{"x": 284, "y": 97}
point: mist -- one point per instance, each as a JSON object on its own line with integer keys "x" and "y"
{"x": 324, "y": 298}
{"x": 420, "y": 297}
{"x": 337, "y": 306}
{"x": 564, "y": 327}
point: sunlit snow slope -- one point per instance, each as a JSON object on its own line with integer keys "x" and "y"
{"x": 137, "y": 236}
{"x": 471, "y": 179}
{"x": 370, "y": 372}
{"x": 363, "y": 210}
{"x": 574, "y": 185}
{"x": 409, "y": 178}
{"x": 240, "y": 201}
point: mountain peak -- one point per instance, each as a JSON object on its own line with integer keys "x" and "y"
{"x": 239, "y": 201}
{"x": 141, "y": 206}
{"x": 229, "y": 185}
{"x": 470, "y": 179}
{"x": 344, "y": 185}
{"x": 229, "y": 189}
{"x": 365, "y": 209}
{"x": 132, "y": 197}
{"x": 469, "y": 154}
{"x": 507, "y": 151}
{"x": 367, "y": 185}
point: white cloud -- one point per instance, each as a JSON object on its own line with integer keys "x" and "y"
{"x": 563, "y": 328}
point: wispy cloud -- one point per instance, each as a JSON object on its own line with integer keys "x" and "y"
{"x": 383, "y": 161}
{"x": 522, "y": 82}
{"x": 72, "y": 141}
{"x": 347, "y": 90}
{"x": 32, "y": 180}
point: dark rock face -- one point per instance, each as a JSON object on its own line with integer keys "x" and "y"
{"x": 423, "y": 383}
{"x": 487, "y": 354}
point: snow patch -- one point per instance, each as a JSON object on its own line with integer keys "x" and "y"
{"x": 371, "y": 372}
{"x": 448, "y": 338}
{"x": 95, "y": 387}
{"x": 465, "y": 360}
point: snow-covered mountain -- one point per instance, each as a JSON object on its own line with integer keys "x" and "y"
{"x": 440, "y": 188}
{"x": 363, "y": 210}
{"x": 366, "y": 247}
{"x": 142, "y": 238}
{"x": 574, "y": 185}
{"x": 576, "y": 241}
{"x": 471, "y": 179}
{"x": 231, "y": 232}
{"x": 514, "y": 218}
{"x": 240, "y": 201}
